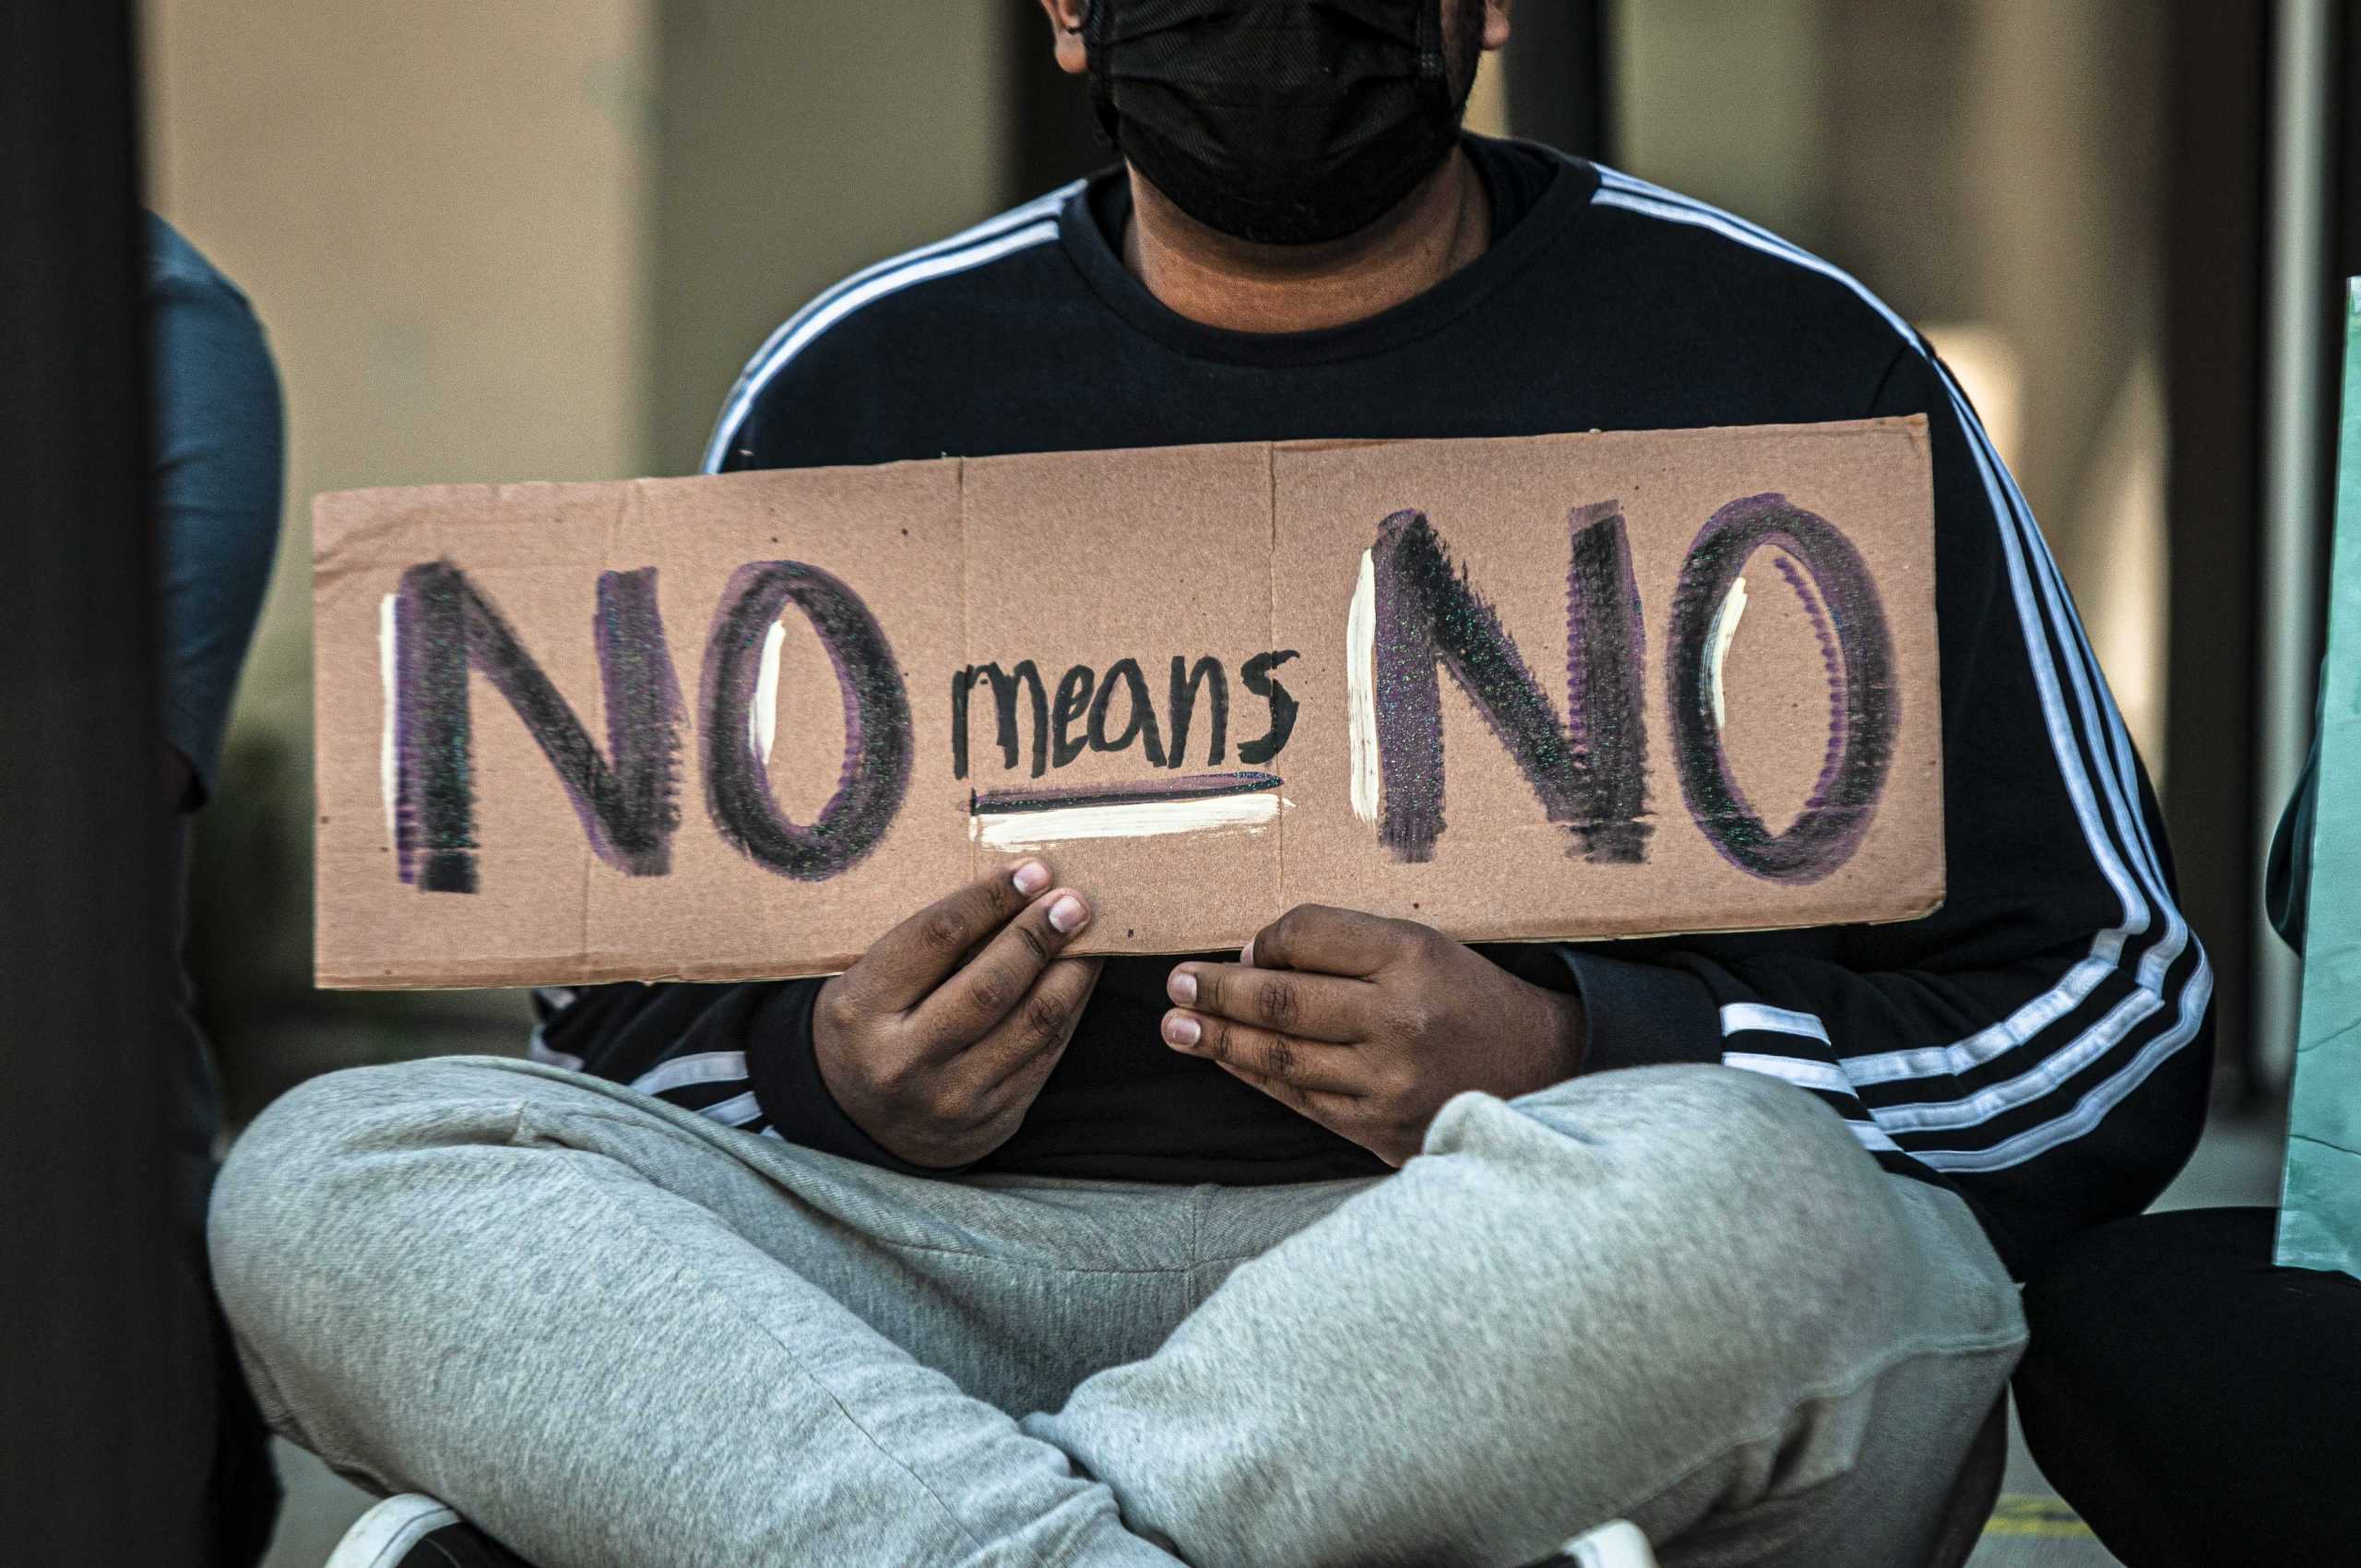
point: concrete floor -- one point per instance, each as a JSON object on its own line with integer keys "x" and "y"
{"x": 2237, "y": 1163}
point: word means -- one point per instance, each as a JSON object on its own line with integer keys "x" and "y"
{"x": 1058, "y": 738}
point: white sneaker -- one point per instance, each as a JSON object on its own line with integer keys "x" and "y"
{"x": 1617, "y": 1544}
{"x": 414, "y": 1530}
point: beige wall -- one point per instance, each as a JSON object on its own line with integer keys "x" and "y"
{"x": 799, "y": 141}
{"x": 1722, "y": 100}
{"x": 1990, "y": 167}
{"x": 437, "y": 207}
{"x": 2063, "y": 161}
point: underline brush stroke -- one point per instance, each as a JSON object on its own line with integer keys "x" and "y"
{"x": 1146, "y": 791}
{"x": 1022, "y": 818}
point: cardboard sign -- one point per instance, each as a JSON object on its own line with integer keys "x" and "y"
{"x": 737, "y": 727}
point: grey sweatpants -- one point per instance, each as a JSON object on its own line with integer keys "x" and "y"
{"x": 615, "y": 1333}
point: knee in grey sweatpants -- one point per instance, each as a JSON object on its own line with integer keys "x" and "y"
{"x": 1735, "y": 1179}
{"x": 1841, "y": 1333}
{"x": 288, "y": 1229}
{"x": 1760, "y": 1196}
{"x": 614, "y": 1332}
{"x": 1681, "y": 1294}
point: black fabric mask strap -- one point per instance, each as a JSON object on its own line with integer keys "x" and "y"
{"x": 1097, "y": 21}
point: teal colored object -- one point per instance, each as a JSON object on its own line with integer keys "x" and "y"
{"x": 2319, "y": 1209}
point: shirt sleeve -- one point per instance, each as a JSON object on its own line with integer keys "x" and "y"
{"x": 2042, "y": 1042}
{"x": 738, "y": 1055}
{"x": 218, "y": 446}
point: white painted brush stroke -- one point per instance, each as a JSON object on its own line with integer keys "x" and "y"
{"x": 1726, "y": 620}
{"x": 1145, "y": 819}
{"x": 1360, "y": 690}
{"x": 762, "y": 719}
{"x": 388, "y": 657}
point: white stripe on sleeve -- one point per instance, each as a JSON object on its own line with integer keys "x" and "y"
{"x": 1031, "y": 224}
{"x": 2020, "y": 541}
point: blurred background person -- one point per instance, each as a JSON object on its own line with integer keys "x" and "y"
{"x": 2194, "y": 1401}
{"x": 218, "y": 441}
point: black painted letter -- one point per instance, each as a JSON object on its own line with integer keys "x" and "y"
{"x": 877, "y": 723}
{"x": 1858, "y": 652}
{"x": 443, "y": 623}
{"x": 1590, "y": 777}
{"x": 1140, "y": 722}
{"x": 1073, "y": 703}
{"x": 1004, "y": 685}
{"x": 1185, "y": 677}
{"x": 1257, "y": 676}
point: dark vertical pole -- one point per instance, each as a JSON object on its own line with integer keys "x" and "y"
{"x": 1051, "y": 134}
{"x": 2213, "y": 332}
{"x": 103, "y": 1354}
{"x": 1560, "y": 87}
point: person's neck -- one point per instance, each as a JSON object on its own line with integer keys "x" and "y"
{"x": 1219, "y": 281}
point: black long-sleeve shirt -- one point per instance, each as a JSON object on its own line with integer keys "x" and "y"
{"x": 2042, "y": 1044}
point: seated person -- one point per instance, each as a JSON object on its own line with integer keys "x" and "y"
{"x": 1360, "y": 1245}
{"x": 216, "y": 481}
{"x": 2195, "y": 1402}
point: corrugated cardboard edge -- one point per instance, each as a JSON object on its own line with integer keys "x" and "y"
{"x": 572, "y": 969}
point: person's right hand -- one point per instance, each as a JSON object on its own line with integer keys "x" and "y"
{"x": 937, "y": 1054}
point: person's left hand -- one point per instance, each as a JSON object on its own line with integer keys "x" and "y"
{"x": 1368, "y": 1025}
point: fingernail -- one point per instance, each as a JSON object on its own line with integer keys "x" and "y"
{"x": 1246, "y": 954}
{"x": 1031, "y": 878}
{"x": 1067, "y": 913}
{"x": 1182, "y": 986}
{"x": 1180, "y": 1031}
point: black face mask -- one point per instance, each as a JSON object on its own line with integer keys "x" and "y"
{"x": 1287, "y": 122}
